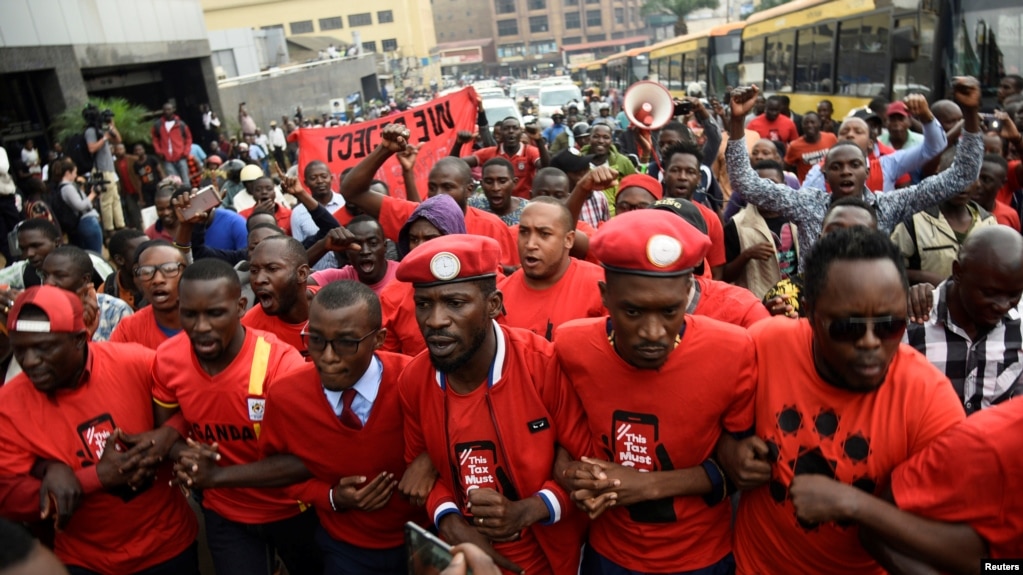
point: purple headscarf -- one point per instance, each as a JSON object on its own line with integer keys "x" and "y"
{"x": 442, "y": 211}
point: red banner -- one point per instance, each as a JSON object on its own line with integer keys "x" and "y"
{"x": 434, "y": 125}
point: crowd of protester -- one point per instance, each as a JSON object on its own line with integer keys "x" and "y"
{"x": 781, "y": 344}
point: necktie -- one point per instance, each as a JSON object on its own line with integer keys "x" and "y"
{"x": 348, "y": 417}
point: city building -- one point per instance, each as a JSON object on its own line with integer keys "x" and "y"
{"x": 541, "y": 37}
{"x": 55, "y": 55}
{"x": 401, "y": 31}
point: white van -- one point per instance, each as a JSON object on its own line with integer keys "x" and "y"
{"x": 554, "y": 97}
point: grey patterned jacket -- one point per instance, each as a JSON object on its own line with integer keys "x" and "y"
{"x": 807, "y": 206}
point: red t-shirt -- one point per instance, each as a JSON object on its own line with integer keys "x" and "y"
{"x": 575, "y": 296}
{"x": 395, "y": 212}
{"x": 805, "y": 155}
{"x": 378, "y": 446}
{"x": 972, "y": 474}
{"x": 228, "y": 409}
{"x": 282, "y": 214}
{"x": 729, "y": 303}
{"x": 781, "y": 129}
{"x": 1012, "y": 183}
{"x": 118, "y": 531}
{"x": 399, "y": 318}
{"x": 671, "y": 418}
{"x": 523, "y": 163}
{"x": 716, "y": 233}
{"x": 140, "y": 328}
{"x": 476, "y": 451}
{"x": 534, "y": 410}
{"x": 1005, "y": 215}
{"x": 290, "y": 333}
{"x": 811, "y": 426}
{"x": 343, "y": 216}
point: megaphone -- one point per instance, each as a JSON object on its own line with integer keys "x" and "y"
{"x": 648, "y": 105}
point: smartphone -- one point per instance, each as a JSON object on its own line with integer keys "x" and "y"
{"x": 427, "y": 555}
{"x": 204, "y": 200}
{"x": 635, "y": 437}
{"x": 477, "y": 466}
{"x": 94, "y": 434}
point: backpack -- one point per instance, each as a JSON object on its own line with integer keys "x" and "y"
{"x": 65, "y": 215}
{"x": 77, "y": 149}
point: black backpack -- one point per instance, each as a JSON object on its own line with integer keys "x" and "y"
{"x": 65, "y": 215}
{"x": 77, "y": 149}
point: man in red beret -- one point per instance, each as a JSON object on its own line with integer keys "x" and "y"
{"x": 490, "y": 406}
{"x": 73, "y": 407}
{"x": 636, "y": 192}
{"x": 657, "y": 399}
{"x": 449, "y": 176}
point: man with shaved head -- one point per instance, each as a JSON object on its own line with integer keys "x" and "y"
{"x": 886, "y": 170}
{"x": 278, "y": 273}
{"x": 551, "y": 287}
{"x": 450, "y": 176}
{"x": 318, "y": 180}
{"x": 974, "y": 333}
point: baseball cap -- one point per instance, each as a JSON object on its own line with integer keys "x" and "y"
{"x": 62, "y": 308}
{"x": 684, "y": 209}
{"x": 570, "y": 161}
{"x": 899, "y": 108}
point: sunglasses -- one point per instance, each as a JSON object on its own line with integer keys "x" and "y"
{"x": 852, "y": 329}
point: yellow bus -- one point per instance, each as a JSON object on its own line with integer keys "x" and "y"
{"x": 709, "y": 58}
{"x": 851, "y": 51}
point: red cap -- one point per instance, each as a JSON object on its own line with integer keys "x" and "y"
{"x": 215, "y": 160}
{"x": 449, "y": 259}
{"x": 644, "y": 181}
{"x": 898, "y": 107}
{"x": 649, "y": 243}
{"x": 62, "y": 307}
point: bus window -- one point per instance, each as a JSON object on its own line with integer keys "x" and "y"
{"x": 724, "y": 60}
{"x": 688, "y": 70}
{"x": 675, "y": 70}
{"x": 701, "y": 64}
{"x": 813, "y": 59}
{"x": 988, "y": 42}
{"x": 863, "y": 61}
{"x": 780, "y": 55}
{"x": 915, "y": 77}
{"x": 752, "y": 69}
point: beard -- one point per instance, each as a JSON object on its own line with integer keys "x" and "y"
{"x": 453, "y": 364}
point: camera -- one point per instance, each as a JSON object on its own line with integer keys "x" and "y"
{"x": 683, "y": 107}
{"x": 96, "y": 118}
{"x": 94, "y": 181}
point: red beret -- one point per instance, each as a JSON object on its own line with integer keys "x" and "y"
{"x": 62, "y": 308}
{"x": 644, "y": 181}
{"x": 449, "y": 259}
{"x": 650, "y": 243}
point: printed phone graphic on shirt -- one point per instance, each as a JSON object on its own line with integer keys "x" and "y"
{"x": 94, "y": 434}
{"x": 635, "y": 444}
{"x": 477, "y": 465}
{"x": 635, "y": 435}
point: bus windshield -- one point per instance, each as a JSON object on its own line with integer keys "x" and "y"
{"x": 988, "y": 42}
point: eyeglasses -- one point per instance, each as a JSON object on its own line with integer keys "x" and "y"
{"x": 852, "y": 329}
{"x": 169, "y": 270}
{"x": 340, "y": 346}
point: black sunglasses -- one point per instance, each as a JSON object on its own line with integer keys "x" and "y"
{"x": 852, "y": 329}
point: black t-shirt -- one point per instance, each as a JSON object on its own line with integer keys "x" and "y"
{"x": 148, "y": 171}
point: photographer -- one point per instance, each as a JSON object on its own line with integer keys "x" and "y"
{"x": 100, "y": 132}
{"x": 87, "y": 234}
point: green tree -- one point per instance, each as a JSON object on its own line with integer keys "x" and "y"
{"x": 679, "y": 9}
{"x": 132, "y": 120}
{"x": 767, "y": 5}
